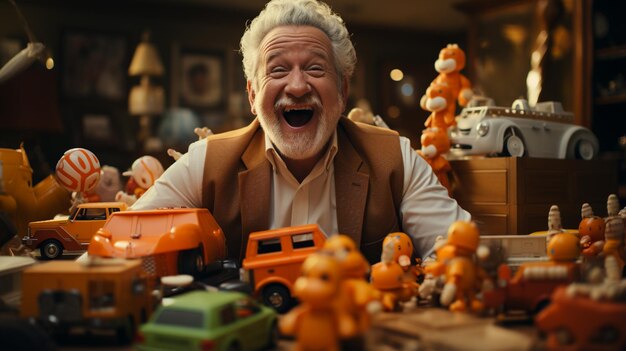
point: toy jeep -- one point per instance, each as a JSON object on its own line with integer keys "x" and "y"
{"x": 273, "y": 261}
{"x": 114, "y": 294}
{"x": 169, "y": 241}
{"x": 54, "y": 236}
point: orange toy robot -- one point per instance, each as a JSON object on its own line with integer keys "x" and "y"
{"x": 388, "y": 277}
{"x": 435, "y": 143}
{"x": 451, "y": 61}
{"x": 440, "y": 102}
{"x": 318, "y": 323}
{"x": 455, "y": 261}
{"x": 357, "y": 297}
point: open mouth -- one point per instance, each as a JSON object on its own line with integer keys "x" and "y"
{"x": 297, "y": 117}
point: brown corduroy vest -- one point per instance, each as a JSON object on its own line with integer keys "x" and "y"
{"x": 368, "y": 184}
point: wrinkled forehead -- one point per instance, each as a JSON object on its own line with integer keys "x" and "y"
{"x": 299, "y": 37}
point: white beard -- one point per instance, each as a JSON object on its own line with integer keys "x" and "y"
{"x": 299, "y": 146}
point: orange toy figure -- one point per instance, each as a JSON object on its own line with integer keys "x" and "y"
{"x": 440, "y": 102}
{"x": 591, "y": 232}
{"x": 451, "y": 61}
{"x": 388, "y": 277}
{"x": 318, "y": 323}
{"x": 403, "y": 252}
{"x": 455, "y": 261}
{"x": 144, "y": 172}
{"x": 356, "y": 295}
{"x": 435, "y": 143}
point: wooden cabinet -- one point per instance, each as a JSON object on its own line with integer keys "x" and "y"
{"x": 510, "y": 195}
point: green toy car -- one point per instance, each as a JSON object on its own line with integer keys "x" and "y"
{"x": 210, "y": 320}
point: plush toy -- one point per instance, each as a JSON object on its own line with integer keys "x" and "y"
{"x": 144, "y": 172}
{"x": 440, "y": 102}
{"x": 451, "y": 61}
{"x": 435, "y": 143}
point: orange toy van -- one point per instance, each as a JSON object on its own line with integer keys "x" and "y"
{"x": 274, "y": 258}
{"x": 63, "y": 294}
{"x": 170, "y": 241}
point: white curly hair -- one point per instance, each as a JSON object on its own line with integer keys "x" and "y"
{"x": 300, "y": 13}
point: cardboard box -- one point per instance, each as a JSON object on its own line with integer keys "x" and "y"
{"x": 512, "y": 196}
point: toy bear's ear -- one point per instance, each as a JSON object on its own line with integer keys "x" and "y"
{"x": 453, "y": 46}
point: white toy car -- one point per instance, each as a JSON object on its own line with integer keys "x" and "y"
{"x": 544, "y": 131}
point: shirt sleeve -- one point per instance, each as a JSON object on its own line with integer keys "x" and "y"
{"x": 426, "y": 209}
{"x": 180, "y": 185}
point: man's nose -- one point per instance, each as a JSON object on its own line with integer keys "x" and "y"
{"x": 297, "y": 84}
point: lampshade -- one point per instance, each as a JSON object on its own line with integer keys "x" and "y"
{"x": 146, "y": 99}
{"x": 145, "y": 61}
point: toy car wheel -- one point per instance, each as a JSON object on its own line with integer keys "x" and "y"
{"x": 582, "y": 145}
{"x": 513, "y": 145}
{"x": 278, "y": 297}
{"x": 191, "y": 262}
{"x": 585, "y": 150}
{"x": 51, "y": 249}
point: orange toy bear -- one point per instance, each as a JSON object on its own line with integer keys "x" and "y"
{"x": 451, "y": 61}
{"x": 318, "y": 323}
{"x": 440, "y": 102}
{"x": 435, "y": 143}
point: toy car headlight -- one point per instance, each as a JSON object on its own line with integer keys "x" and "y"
{"x": 482, "y": 128}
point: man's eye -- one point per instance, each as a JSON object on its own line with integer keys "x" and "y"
{"x": 278, "y": 70}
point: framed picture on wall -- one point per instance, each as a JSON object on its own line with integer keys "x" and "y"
{"x": 95, "y": 65}
{"x": 201, "y": 79}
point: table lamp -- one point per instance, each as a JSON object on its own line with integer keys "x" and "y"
{"x": 146, "y": 99}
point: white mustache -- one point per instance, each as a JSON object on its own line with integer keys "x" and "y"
{"x": 309, "y": 100}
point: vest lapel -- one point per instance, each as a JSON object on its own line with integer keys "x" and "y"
{"x": 351, "y": 186}
{"x": 254, "y": 183}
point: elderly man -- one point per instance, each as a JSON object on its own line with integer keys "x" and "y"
{"x": 300, "y": 161}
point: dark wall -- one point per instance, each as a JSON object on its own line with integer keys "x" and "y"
{"x": 173, "y": 28}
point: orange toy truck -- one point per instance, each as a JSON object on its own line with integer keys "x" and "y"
{"x": 113, "y": 294}
{"x": 54, "y": 236}
{"x": 170, "y": 241}
{"x": 274, "y": 258}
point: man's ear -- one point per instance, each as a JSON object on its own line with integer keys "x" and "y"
{"x": 251, "y": 96}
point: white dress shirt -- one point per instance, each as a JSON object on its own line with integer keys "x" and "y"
{"x": 426, "y": 209}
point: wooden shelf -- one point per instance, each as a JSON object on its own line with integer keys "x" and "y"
{"x": 609, "y": 100}
{"x": 613, "y": 52}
